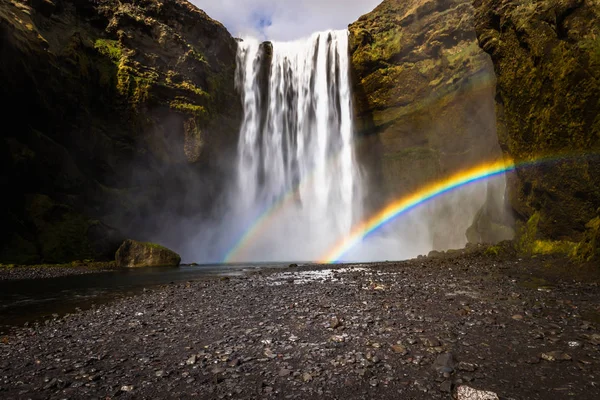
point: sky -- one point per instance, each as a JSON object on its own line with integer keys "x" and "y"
{"x": 284, "y": 20}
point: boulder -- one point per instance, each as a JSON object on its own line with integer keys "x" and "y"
{"x": 133, "y": 254}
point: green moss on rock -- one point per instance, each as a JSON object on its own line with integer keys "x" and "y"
{"x": 423, "y": 102}
{"x": 546, "y": 55}
{"x": 134, "y": 254}
{"x": 109, "y": 48}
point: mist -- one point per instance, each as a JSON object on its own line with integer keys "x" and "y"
{"x": 281, "y": 198}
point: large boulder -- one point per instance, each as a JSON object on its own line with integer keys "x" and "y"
{"x": 546, "y": 55}
{"x": 134, "y": 254}
{"x": 133, "y": 101}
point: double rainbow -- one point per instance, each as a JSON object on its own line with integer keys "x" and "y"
{"x": 407, "y": 203}
{"x": 387, "y": 214}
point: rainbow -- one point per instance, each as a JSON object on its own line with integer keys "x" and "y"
{"x": 407, "y": 203}
{"x": 263, "y": 221}
{"x": 259, "y": 225}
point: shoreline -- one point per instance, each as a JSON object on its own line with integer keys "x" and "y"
{"x": 43, "y": 271}
{"x": 416, "y": 329}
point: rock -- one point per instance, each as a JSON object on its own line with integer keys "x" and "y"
{"x": 468, "y": 393}
{"x": 430, "y": 342}
{"x": 555, "y": 356}
{"x": 191, "y": 360}
{"x": 127, "y": 388}
{"x": 555, "y": 202}
{"x": 399, "y": 349}
{"x": 155, "y": 81}
{"x": 593, "y": 338}
{"x": 468, "y": 367}
{"x": 138, "y": 254}
{"x": 446, "y": 387}
{"x": 335, "y": 323}
{"x": 412, "y": 63}
{"x": 444, "y": 363}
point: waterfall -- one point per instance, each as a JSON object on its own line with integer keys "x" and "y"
{"x": 295, "y": 150}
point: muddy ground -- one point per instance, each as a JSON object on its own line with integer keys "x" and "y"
{"x": 419, "y": 329}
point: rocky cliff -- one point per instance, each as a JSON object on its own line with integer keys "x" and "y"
{"x": 113, "y": 114}
{"x": 546, "y": 55}
{"x": 424, "y": 104}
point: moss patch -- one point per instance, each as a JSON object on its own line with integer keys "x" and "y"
{"x": 109, "y": 48}
{"x": 187, "y": 108}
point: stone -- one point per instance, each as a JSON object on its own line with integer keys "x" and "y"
{"x": 444, "y": 363}
{"x": 446, "y": 387}
{"x": 468, "y": 393}
{"x": 335, "y": 323}
{"x": 556, "y": 355}
{"x": 465, "y": 366}
{"x": 191, "y": 360}
{"x": 399, "y": 349}
{"x": 430, "y": 342}
{"x": 284, "y": 372}
{"x": 133, "y": 254}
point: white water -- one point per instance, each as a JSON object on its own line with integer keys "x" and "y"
{"x": 296, "y": 137}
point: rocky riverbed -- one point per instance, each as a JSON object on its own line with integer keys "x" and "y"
{"x": 14, "y": 272}
{"x": 419, "y": 329}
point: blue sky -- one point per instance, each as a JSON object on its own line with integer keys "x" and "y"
{"x": 282, "y": 20}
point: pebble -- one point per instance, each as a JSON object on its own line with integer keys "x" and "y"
{"x": 247, "y": 338}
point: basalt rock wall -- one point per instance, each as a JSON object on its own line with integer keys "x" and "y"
{"x": 118, "y": 119}
{"x": 546, "y": 55}
{"x": 424, "y": 108}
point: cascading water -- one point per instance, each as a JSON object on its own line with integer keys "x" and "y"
{"x": 296, "y": 142}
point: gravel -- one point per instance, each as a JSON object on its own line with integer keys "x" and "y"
{"x": 427, "y": 328}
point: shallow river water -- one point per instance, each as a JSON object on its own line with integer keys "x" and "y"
{"x": 29, "y": 300}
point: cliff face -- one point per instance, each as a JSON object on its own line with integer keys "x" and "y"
{"x": 547, "y": 59}
{"x": 113, "y": 114}
{"x": 424, "y": 104}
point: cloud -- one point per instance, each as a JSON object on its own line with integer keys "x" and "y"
{"x": 282, "y": 20}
